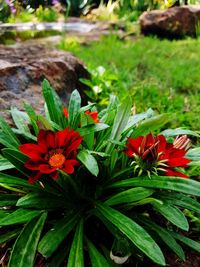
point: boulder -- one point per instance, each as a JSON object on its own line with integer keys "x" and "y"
{"x": 175, "y": 22}
{"x": 23, "y": 68}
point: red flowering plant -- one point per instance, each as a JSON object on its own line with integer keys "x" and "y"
{"x": 82, "y": 188}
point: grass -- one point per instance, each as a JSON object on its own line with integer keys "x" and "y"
{"x": 160, "y": 74}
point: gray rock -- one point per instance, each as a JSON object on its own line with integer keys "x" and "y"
{"x": 175, "y": 22}
{"x": 23, "y": 68}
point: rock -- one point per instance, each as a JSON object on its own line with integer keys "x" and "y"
{"x": 23, "y": 68}
{"x": 175, "y": 22}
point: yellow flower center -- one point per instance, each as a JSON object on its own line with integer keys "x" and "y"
{"x": 57, "y": 160}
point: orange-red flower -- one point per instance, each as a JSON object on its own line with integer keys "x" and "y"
{"x": 65, "y": 111}
{"x": 53, "y": 151}
{"x": 92, "y": 114}
{"x": 153, "y": 154}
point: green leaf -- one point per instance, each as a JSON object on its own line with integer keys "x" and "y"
{"x": 15, "y": 181}
{"x": 187, "y": 241}
{"x": 92, "y": 128}
{"x": 150, "y": 125}
{"x": 19, "y": 216}
{"x": 56, "y": 235}
{"x": 134, "y": 232}
{"x": 165, "y": 235}
{"x": 180, "y": 200}
{"x": 193, "y": 154}
{"x": 186, "y": 186}
{"x": 9, "y": 235}
{"x": 120, "y": 122}
{"x": 178, "y": 131}
{"x": 45, "y": 123}
{"x": 53, "y": 103}
{"x": 10, "y": 136}
{"x": 21, "y": 120}
{"x": 74, "y": 107}
{"x": 130, "y": 195}
{"x": 32, "y": 116}
{"x": 8, "y": 199}
{"x": 6, "y": 142}
{"x": 5, "y": 164}
{"x": 41, "y": 201}
{"x": 134, "y": 120}
{"x": 172, "y": 214}
{"x": 17, "y": 159}
{"x": 3, "y": 214}
{"x": 58, "y": 258}
{"x": 89, "y": 161}
{"x": 24, "y": 249}
{"x": 97, "y": 259}
{"x": 76, "y": 252}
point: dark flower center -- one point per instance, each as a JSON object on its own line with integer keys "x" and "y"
{"x": 57, "y": 160}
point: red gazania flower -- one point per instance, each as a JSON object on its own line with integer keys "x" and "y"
{"x": 53, "y": 151}
{"x": 153, "y": 154}
{"x": 65, "y": 111}
{"x": 92, "y": 114}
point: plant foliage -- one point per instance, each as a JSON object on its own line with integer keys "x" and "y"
{"x": 76, "y": 188}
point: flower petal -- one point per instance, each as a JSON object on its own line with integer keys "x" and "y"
{"x": 33, "y": 151}
{"x": 55, "y": 175}
{"x": 33, "y": 164}
{"x": 50, "y": 139}
{"x": 134, "y": 144}
{"x": 170, "y": 172}
{"x": 45, "y": 168}
{"x": 69, "y": 166}
{"x": 93, "y": 115}
{"x": 73, "y": 146}
{"x": 41, "y": 138}
{"x": 60, "y": 137}
{"x": 34, "y": 177}
{"x": 178, "y": 162}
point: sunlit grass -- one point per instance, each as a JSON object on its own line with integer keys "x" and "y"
{"x": 163, "y": 75}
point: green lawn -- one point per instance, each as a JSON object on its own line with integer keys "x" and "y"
{"x": 163, "y": 75}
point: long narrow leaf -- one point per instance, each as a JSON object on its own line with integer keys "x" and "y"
{"x": 130, "y": 195}
{"x": 17, "y": 159}
{"x": 172, "y": 214}
{"x": 15, "y": 181}
{"x": 97, "y": 259}
{"x": 89, "y": 161}
{"x": 40, "y": 201}
{"x": 120, "y": 123}
{"x": 134, "y": 232}
{"x": 74, "y": 107}
{"x": 9, "y": 235}
{"x": 56, "y": 235}
{"x": 8, "y": 199}
{"x": 5, "y": 164}
{"x": 186, "y": 186}
{"x": 10, "y": 136}
{"x": 180, "y": 200}
{"x": 165, "y": 235}
{"x": 24, "y": 249}
{"x": 150, "y": 125}
{"x": 76, "y": 252}
{"x": 19, "y": 216}
{"x": 53, "y": 102}
{"x": 187, "y": 241}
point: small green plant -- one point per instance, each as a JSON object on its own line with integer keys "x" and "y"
{"x": 105, "y": 11}
{"x": 4, "y": 11}
{"x": 46, "y": 14}
{"x": 100, "y": 83}
{"x": 79, "y": 186}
